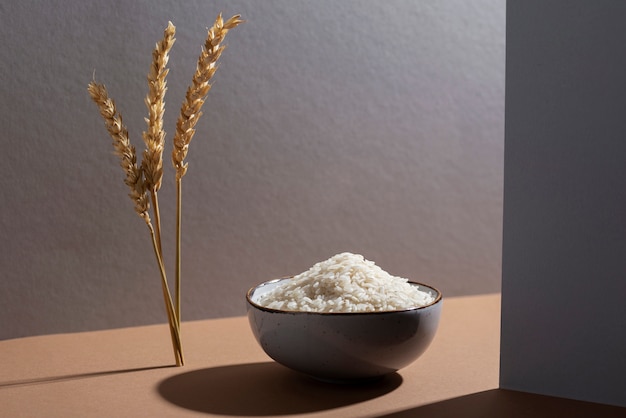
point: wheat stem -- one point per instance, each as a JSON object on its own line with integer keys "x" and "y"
{"x": 178, "y": 246}
{"x": 157, "y": 219}
{"x": 171, "y": 315}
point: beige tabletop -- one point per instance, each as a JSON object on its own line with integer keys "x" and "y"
{"x": 130, "y": 373}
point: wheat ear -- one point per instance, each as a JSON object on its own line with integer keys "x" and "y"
{"x": 190, "y": 114}
{"x": 154, "y": 136}
{"x": 123, "y": 148}
{"x": 138, "y": 192}
{"x": 190, "y": 111}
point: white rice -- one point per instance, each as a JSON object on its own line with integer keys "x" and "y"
{"x": 345, "y": 282}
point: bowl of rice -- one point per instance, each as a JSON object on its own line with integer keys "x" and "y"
{"x": 345, "y": 319}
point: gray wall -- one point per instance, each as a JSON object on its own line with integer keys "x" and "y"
{"x": 364, "y": 126}
{"x": 564, "y": 254}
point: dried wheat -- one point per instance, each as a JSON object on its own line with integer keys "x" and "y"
{"x": 147, "y": 177}
{"x": 139, "y": 193}
{"x": 196, "y": 93}
{"x": 190, "y": 113}
{"x": 123, "y": 148}
{"x": 154, "y": 137}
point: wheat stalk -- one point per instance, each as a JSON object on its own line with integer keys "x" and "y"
{"x": 138, "y": 191}
{"x": 190, "y": 114}
{"x": 152, "y": 164}
{"x": 154, "y": 136}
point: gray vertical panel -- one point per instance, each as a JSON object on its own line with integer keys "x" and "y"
{"x": 564, "y": 244}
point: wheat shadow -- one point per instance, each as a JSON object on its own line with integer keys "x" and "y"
{"x": 264, "y": 389}
{"x": 63, "y": 378}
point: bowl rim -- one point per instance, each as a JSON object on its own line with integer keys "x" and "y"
{"x": 249, "y": 293}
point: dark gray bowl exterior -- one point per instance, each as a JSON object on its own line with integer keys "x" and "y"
{"x": 344, "y": 346}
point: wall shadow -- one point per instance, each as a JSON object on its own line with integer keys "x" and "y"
{"x": 510, "y": 404}
{"x": 263, "y": 389}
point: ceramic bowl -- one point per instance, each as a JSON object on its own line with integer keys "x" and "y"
{"x": 343, "y": 347}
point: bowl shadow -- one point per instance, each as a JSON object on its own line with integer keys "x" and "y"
{"x": 264, "y": 389}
